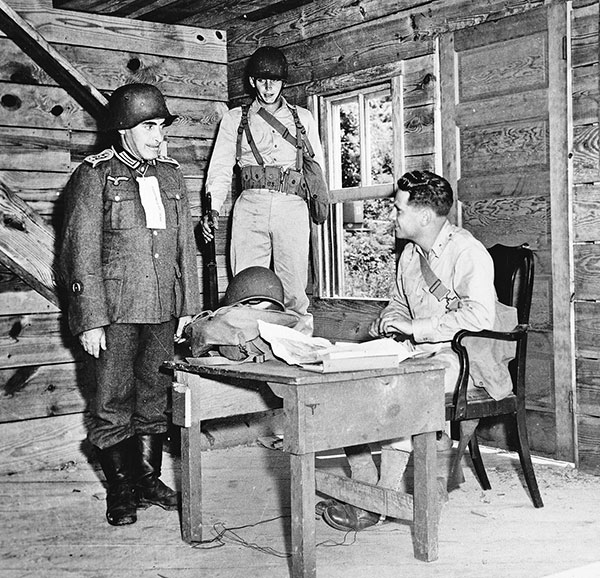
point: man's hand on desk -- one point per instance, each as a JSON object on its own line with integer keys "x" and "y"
{"x": 386, "y": 327}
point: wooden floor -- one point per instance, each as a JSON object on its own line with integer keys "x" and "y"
{"x": 52, "y": 525}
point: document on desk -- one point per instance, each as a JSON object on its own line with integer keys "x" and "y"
{"x": 320, "y": 355}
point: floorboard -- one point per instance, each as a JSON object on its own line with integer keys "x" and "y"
{"x": 52, "y": 526}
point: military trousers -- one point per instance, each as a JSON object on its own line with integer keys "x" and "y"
{"x": 273, "y": 229}
{"x": 130, "y": 393}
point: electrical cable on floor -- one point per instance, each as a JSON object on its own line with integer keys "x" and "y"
{"x": 334, "y": 544}
{"x": 226, "y": 535}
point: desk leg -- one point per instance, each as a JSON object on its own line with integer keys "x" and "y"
{"x": 304, "y": 562}
{"x": 191, "y": 484}
{"x": 426, "y": 496}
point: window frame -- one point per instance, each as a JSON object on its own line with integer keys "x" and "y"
{"x": 328, "y": 241}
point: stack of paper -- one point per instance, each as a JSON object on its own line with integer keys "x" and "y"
{"x": 318, "y": 354}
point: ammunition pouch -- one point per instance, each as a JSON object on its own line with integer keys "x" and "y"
{"x": 273, "y": 178}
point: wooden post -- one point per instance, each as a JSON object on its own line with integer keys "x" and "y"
{"x": 426, "y": 496}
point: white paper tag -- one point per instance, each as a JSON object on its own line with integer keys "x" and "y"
{"x": 152, "y": 203}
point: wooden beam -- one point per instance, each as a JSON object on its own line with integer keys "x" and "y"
{"x": 35, "y": 46}
{"x": 366, "y": 496}
{"x": 562, "y": 258}
{"x": 27, "y": 244}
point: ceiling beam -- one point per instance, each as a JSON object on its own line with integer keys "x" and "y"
{"x": 58, "y": 67}
{"x": 27, "y": 245}
{"x": 150, "y": 7}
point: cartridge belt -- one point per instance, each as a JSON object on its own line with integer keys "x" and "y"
{"x": 273, "y": 178}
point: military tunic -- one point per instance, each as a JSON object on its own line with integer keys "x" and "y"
{"x": 130, "y": 279}
{"x": 116, "y": 269}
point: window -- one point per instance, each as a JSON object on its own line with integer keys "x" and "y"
{"x": 359, "y": 258}
{"x": 371, "y": 136}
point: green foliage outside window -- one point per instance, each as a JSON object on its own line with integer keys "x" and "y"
{"x": 369, "y": 260}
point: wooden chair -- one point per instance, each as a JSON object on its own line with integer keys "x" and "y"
{"x": 513, "y": 268}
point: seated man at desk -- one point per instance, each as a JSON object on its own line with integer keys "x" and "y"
{"x": 444, "y": 283}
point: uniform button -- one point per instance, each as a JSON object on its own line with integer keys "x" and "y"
{"x": 155, "y": 233}
{"x": 156, "y": 255}
{"x": 117, "y": 198}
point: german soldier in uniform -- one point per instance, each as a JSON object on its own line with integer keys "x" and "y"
{"x": 270, "y": 218}
{"x": 128, "y": 258}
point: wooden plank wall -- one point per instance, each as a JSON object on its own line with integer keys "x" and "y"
{"x": 586, "y": 230}
{"x": 502, "y": 111}
{"x": 335, "y": 45}
{"x": 44, "y": 135}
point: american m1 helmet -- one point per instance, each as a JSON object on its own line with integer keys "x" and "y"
{"x": 268, "y": 62}
{"x": 131, "y": 104}
{"x": 253, "y": 285}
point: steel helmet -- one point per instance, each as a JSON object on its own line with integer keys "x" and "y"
{"x": 268, "y": 62}
{"x": 255, "y": 284}
{"x": 131, "y": 104}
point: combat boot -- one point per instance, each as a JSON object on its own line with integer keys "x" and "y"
{"x": 150, "y": 489}
{"x": 117, "y": 465}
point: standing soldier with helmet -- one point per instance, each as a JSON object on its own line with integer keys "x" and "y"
{"x": 128, "y": 259}
{"x": 270, "y": 225}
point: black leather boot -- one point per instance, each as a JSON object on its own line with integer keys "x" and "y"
{"x": 150, "y": 489}
{"x": 117, "y": 465}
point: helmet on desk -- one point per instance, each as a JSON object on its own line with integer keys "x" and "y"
{"x": 268, "y": 62}
{"x": 131, "y": 104}
{"x": 253, "y": 285}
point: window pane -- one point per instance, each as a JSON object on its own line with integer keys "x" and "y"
{"x": 361, "y": 150}
{"x": 379, "y": 109}
{"x": 369, "y": 259}
{"x": 350, "y": 143}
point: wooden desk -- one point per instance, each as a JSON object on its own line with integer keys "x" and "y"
{"x": 321, "y": 412}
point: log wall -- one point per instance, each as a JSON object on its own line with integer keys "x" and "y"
{"x": 586, "y": 232}
{"x": 338, "y": 45}
{"x": 44, "y": 135}
{"x": 331, "y": 45}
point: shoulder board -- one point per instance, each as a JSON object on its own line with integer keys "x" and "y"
{"x": 168, "y": 160}
{"x": 105, "y": 155}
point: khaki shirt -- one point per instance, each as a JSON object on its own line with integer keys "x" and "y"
{"x": 465, "y": 267}
{"x": 275, "y": 150}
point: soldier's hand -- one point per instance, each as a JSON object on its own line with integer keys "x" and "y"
{"x": 93, "y": 340}
{"x": 386, "y": 327}
{"x": 374, "y": 328}
{"x": 210, "y": 223}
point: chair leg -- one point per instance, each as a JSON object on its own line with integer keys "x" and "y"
{"x": 525, "y": 457}
{"x": 467, "y": 429}
{"x": 478, "y": 463}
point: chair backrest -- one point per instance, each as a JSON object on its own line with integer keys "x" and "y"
{"x": 513, "y": 277}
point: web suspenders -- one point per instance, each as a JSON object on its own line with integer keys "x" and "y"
{"x": 298, "y": 141}
{"x": 437, "y": 288}
{"x": 245, "y": 127}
